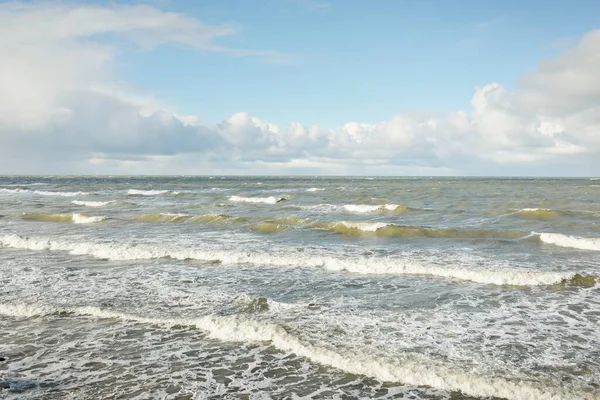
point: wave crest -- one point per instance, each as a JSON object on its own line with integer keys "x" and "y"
{"x": 401, "y": 265}
{"x": 558, "y": 239}
{"x": 538, "y": 213}
{"x": 44, "y": 192}
{"x": 92, "y": 203}
{"x": 264, "y": 200}
{"x": 411, "y": 368}
{"x": 75, "y": 218}
{"x": 138, "y": 192}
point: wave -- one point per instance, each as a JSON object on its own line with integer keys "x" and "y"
{"x": 358, "y": 208}
{"x": 538, "y": 213}
{"x": 43, "y": 192}
{"x": 315, "y": 189}
{"x": 397, "y": 265}
{"x": 383, "y": 229}
{"x": 138, "y": 192}
{"x": 360, "y": 226}
{"x": 74, "y": 218}
{"x": 264, "y": 200}
{"x": 365, "y": 208}
{"x": 92, "y": 203}
{"x": 269, "y": 227}
{"x": 187, "y": 218}
{"x": 576, "y": 242}
{"x": 409, "y": 368}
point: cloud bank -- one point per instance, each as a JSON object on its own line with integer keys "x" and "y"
{"x": 62, "y": 110}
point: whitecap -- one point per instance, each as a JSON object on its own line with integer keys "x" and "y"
{"x": 558, "y": 239}
{"x": 399, "y": 265}
{"x": 91, "y": 203}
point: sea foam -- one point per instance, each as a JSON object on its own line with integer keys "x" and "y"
{"x": 411, "y": 368}
{"x": 43, "y": 192}
{"x": 91, "y": 203}
{"x": 137, "y": 192}
{"x": 264, "y": 200}
{"x": 401, "y": 265}
{"x": 576, "y": 242}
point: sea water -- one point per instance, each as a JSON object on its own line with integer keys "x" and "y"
{"x": 299, "y": 288}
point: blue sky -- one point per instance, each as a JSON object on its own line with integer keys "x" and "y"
{"x": 333, "y": 87}
{"x": 356, "y": 60}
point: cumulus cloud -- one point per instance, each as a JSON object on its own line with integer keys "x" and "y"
{"x": 62, "y": 112}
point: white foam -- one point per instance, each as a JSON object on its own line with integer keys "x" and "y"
{"x": 366, "y": 208}
{"x": 365, "y": 226}
{"x": 401, "y": 265}
{"x": 84, "y": 219}
{"x": 412, "y": 368}
{"x": 43, "y": 192}
{"x": 576, "y": 242}
{"x": 63, "y": 194}
{"x": 315, "y": 189}
{"x": 264, "y": 200}
{"x": 91, "y": 203}
{"x": 360, "y": 208}
{"x": 137, "y": 192}
{"x": 14, "y": 191}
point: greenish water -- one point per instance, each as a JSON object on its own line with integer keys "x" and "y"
{"x": 316, "y": 288}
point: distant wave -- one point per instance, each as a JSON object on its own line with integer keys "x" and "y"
{"x": 575, "y": 242}
{"x": 43, "y": 192}
{"x": 412, "y": 368}
{"x": 383, "y": 229}
{"x": 538, "y": 213}
{"x": 269, "y": 227}
{"x": 91, "y": 203}
{"x": 264, "y": 200}
{"x": 74, "y": 218}
{"x": 188, "y": 218}
{"x": 361, "y": 265}
{"x": 365, "y": 208}
{"x": 137, "y": 192}
{"x": 315, "y": 189}
{"x": 358, "y": 208}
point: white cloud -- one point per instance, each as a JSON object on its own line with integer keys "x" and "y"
{"x": 63, "y": 109}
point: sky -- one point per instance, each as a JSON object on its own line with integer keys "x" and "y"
{"x": 300, "y": 87}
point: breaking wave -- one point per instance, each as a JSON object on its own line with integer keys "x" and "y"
{"x": 269, "y": 227}
{"x": 91, "y": 203}
{"x": 43, "y": 192}
{"x": 410, "y": 368}
{"x": 315, "y": 189}
{"x": 401, "y": 265}
{"x": 575, "y": 242}
{"x": 365, "y": 208}
{"x": 538, "y": 213}
{"x": 391, "y": 230}
{"x": 137, "y": 192}
{"x": 74, "y": 218}
{"x": 187, "y": 218}
{"x": 358, "y": 208}
{"x": 264, "y": 200}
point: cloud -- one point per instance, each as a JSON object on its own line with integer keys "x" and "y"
{"x": 64, "y": 110}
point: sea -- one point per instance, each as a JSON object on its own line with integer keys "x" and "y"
{"x": 240, "y": 287}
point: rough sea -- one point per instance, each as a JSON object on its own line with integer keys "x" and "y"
{"x": 299, "y": 288}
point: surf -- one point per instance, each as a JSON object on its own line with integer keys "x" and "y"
{"x": 377, "y": 265}
{"x": 408, "y": 368}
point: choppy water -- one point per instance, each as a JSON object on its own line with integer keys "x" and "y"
{"x": 312, "y": 288}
